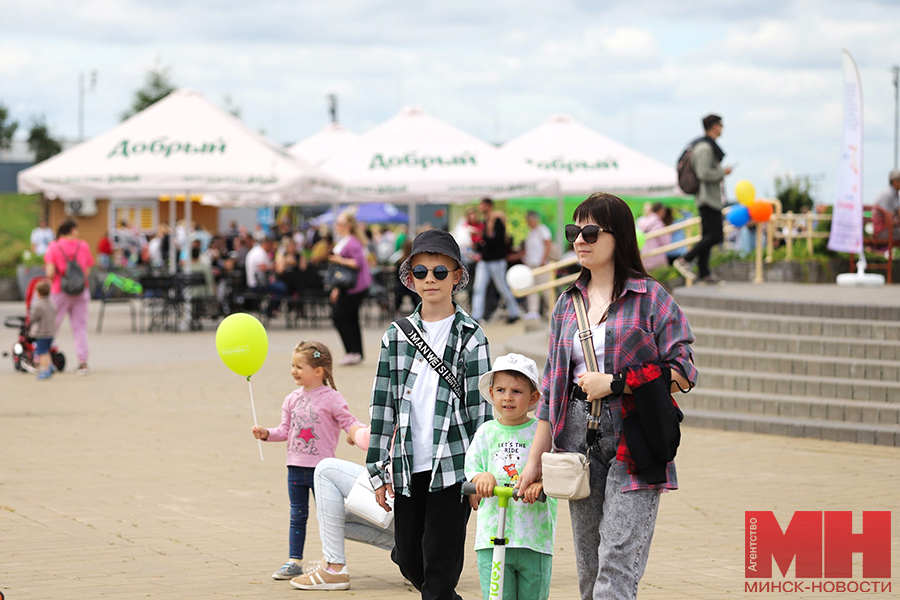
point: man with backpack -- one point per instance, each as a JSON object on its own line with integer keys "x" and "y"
{"x": 705, "y": 160}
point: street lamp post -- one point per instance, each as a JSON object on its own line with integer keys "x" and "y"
{"x": 81, "y": 92}
{"x": 332, "y": 107}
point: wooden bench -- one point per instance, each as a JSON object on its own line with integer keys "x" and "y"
{"x": 872, "y": 214}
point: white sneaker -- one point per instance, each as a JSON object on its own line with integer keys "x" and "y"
{"x": 351, "y": 359}
{"x": 532, "y": 317}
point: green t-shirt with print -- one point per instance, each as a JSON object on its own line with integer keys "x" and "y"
{"x": 503, "y": 451}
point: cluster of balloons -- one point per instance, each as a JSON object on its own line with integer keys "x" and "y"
{"x": 749, "y": 208}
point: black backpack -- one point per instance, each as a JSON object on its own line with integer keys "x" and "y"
{"x": 72, "y": 281}
{"x": 687, "y": 177}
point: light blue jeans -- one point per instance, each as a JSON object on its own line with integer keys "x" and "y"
{"x": 334, "y": 479}
{"x": 495, "y": 270}
{"x": 612, "y": 529}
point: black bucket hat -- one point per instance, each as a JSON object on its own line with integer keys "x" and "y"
{"x": 434, "y": 241}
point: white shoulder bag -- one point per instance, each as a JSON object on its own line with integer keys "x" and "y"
{"x": 567, "y": 475}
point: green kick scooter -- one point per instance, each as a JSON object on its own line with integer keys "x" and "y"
{"x": 498, "y": 559}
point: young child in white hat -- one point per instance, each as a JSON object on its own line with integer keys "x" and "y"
{"x": 497, "y": 454}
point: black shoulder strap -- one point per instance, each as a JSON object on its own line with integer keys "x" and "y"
{"x": 434, "y": 361}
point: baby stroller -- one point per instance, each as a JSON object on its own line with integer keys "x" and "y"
{"x": 23, "y": 349}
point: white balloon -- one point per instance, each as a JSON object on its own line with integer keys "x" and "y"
{"x": 519, "y": 277}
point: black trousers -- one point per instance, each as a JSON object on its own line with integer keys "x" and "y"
{"x": 430, "y": 537}
{"x": 346, "y": 320}
{"x": 711, "y": 226}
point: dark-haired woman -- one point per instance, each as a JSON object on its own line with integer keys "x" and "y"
{"x": 68, "y": 246}
{"x": 634, "y": 322}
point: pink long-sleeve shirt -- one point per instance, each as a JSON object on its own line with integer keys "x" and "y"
{"x": 311, "y": 422}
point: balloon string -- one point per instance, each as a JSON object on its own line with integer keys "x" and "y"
{"x": 255, "y": 424}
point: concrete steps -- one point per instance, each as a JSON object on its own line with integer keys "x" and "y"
{"x": 886, "y": 371}
{"x": 778, "y": 343}
{"x": 798, "y": 360}
{"x": 806, "y": 364}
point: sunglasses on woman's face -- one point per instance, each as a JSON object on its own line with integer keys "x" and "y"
{"x": 589, "y": 233}
{"x": 440, "y": 272}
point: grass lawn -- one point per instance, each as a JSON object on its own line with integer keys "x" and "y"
{"x": 18, "y": 216}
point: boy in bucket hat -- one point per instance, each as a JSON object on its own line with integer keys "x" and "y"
{"x": 429, "y": 395}
{"x": 497, "y": 455}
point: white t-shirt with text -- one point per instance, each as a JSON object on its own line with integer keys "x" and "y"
{"x": 424, "y": 394}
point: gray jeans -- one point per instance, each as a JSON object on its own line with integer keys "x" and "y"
{"x": 612, "y": 529}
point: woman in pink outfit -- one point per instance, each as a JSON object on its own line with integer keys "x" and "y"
{"x": 68, "y": 246}
{"x": 660, "y": 216}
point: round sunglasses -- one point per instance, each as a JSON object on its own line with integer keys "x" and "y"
{"x": 440, "y": 272}
{"x": 589, "y": 233}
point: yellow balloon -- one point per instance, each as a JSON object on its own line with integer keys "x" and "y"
{"x": 242, "y": 343}
{"x": 745, "y": 192}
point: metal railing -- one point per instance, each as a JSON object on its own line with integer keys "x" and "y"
{"x": 690, "y": 227}
{"x": 788, "y": 226}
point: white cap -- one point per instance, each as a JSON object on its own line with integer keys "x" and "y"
{"x": 510, "y": 362}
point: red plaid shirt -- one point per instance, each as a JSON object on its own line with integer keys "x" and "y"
{"x": 644, "y": 325}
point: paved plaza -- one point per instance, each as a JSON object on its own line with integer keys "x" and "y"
{"x": 142, "y": 480}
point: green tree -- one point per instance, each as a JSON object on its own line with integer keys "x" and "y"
{"x": 7, "y": 128}
{"x": 41, "y": 142}
{"x": 793, "y": 193}
{"x": 157, "y": 86}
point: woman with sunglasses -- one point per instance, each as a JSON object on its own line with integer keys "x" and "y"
{"x": 634, "y": 323}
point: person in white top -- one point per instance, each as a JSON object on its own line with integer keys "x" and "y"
{"x": 257, "y": 267}
{"x": 41, "y": 236}
{"x": 258, "y": 263}
{"x": 538, "y": 244}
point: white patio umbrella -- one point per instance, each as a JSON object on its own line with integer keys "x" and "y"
{"x": 324, "y": 144}
{"x": 182, "y": 144}
{"x": 585, "y": 161}
{"x": 414, "y": 158}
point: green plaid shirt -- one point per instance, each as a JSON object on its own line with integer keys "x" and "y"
{"x": 456, "y": 421}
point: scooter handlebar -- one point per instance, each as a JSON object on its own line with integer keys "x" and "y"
{"x": 468, "y": 489}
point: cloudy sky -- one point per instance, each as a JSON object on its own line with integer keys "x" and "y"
{"x": 642, "y": 72}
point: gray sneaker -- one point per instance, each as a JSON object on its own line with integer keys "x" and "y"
{"x": 289, "y": 570}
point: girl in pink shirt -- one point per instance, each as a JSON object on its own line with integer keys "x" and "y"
{"x": 312, "y": 418}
